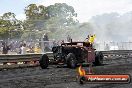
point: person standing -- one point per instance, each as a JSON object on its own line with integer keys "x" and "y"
{"x": 92, "y": 38}
{"x": 45, "y": 37}
{"x": 23, "y": 49}
{"x": 5, "y": 49}
{"x": 68, "y": 38}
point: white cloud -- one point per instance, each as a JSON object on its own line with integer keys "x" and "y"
{"x": 21, "y": 17}
{"x": 88, "y": 8}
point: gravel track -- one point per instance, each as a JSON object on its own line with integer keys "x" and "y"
{"x": 53, "y": 77}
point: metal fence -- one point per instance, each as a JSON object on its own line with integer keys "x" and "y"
{"x": 46, "y": 46}
{"x": 100, "y": 46}
{"x": 105, "y": 46}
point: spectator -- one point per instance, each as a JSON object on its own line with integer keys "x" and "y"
{"x": 45, "y": 37}
{"x": 23, "y": 49}
{"x": 68, "y": 38}
{"x": 5, "y": 49}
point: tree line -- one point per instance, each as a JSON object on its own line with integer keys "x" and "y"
{"x": 38, "y": 18}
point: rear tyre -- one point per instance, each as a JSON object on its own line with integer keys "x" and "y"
{"x": 98, "y": 59}
{"x": 71, "y": 60}
{"x": 44, "y": 61}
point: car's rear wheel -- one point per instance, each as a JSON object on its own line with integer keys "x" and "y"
{"x": 71, "y": 60}
{"x": 44, "y": 61}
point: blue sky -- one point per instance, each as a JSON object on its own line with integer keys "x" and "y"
{"x": 16, "y": 6}
{"x": 85, "y": 8}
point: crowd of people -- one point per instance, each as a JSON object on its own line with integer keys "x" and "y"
{"x": 23, "y": 47}
{"x": 19, "y": 47}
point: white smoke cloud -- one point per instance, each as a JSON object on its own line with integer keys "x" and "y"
{"x": 88, "y": 8}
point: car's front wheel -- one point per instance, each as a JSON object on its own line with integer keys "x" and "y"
{"x": 44, "y": 61}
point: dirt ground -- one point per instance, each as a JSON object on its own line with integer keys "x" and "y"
{"x": 54, "y": 77}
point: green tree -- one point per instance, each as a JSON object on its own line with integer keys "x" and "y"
{"x": 36, "y": 16}
{"x": 33, "y": 12}
{"x": 9, "y": 26}
{"x": 49, "y": 19}
{"x": 41, "y": 17}
{"x": 63, "y": 12}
